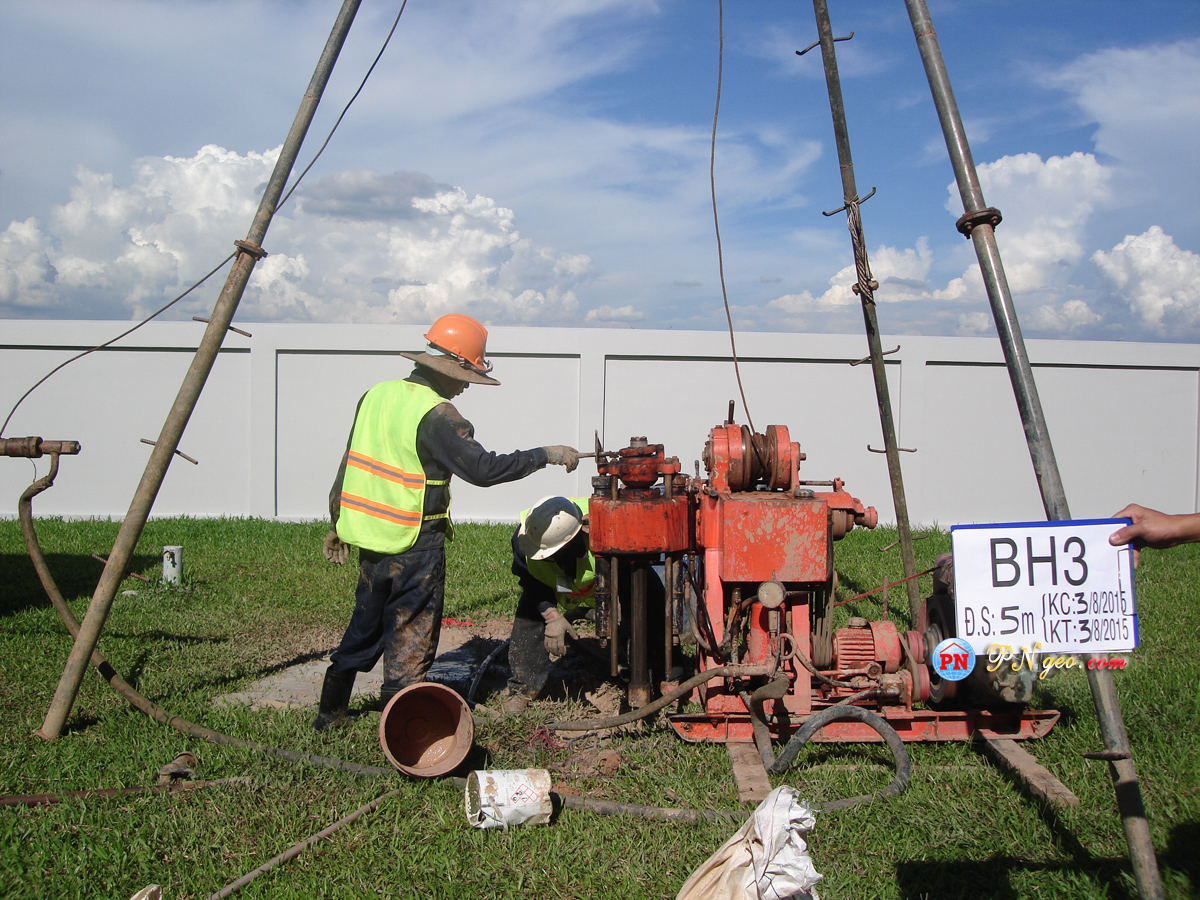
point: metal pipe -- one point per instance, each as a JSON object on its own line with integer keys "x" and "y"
{"x": 668, "y": 615}
{"x": 614, "y": 620}
{"x": 639, "y": 658}
{"x": 865, "y": 288}
{"x": 249, "y": 251}
{"x": 979, "y": 222}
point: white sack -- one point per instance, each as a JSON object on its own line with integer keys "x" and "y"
{"x": 766, "y": 859}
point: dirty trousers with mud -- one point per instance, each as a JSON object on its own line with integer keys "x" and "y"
{"x": 397, "y": 615}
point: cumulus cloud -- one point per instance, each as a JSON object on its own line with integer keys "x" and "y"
{"x": 1143, "y": 101}
{"x": 356, "y": 246}
{"x": 1159, "y": 281}
{"x": 973, "y": 324}
{"x": 621, "y": 314}
{"x": 901, "y": 274}
{"x": 1065, "y": 318}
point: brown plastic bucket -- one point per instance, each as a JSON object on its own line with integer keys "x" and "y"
{"x": 426, "y": 730}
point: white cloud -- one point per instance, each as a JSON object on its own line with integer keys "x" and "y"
{"x": 1159, "y": 281}
{"x": 1069, "y": 316}
{"x": 901, "y": 274}
{"x": 26, "y": 274}
{"x": 355, "y": 247}
{"x": 1143, "y": 100}
{"x": 1046, "y": 206}
{"x": 604, "y": 314}
{"x": 973, "y": 324}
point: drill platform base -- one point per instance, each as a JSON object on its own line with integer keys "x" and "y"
{"x": 912, "y": 725}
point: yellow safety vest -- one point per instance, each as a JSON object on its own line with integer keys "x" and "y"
{"x": 581, "y": 583}
{"x": 383, "y": 491}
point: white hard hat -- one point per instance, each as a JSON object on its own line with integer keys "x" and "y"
{"x": 548, "y": 527}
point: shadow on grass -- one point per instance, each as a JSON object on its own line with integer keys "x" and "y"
{"x": 1181, "y": 855}
{"x": 75, "y": 575}
{"x": 262, "y": 672}
{"x": 991, "y": 879}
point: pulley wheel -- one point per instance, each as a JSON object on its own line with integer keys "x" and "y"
{"x": 940, "y": 615}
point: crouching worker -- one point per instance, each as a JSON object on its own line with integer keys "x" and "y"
{"x": 556, "y": 571}
{"x": 391, "y": 499}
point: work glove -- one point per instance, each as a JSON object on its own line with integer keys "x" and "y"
{"x": 560, "y": 455}
{"x": 335, "y": 549}
{"x": 557, "y": 630}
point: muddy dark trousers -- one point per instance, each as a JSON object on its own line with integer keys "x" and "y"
{"x": 397, "y": 616}
{"x": 528, "y": 660}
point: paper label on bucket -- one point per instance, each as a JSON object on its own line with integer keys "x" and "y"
{"x": 502, "y": 798}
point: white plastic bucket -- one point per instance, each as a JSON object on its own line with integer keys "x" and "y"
{"x": 500, "y": 798}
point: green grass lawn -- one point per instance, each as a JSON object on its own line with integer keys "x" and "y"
{"x": 258, "y": 595}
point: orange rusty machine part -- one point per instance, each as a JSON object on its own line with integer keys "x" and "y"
{"x": 747, "y": 561}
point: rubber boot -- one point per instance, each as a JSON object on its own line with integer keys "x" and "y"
{"x": 386, "y": 693}
{"x": 335, "y": 699}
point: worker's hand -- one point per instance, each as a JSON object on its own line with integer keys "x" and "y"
{"x": 561, "y": 455}
{"x": 557, "y": 631}
{"x": 1152, "y": 528}
{"x": 335, "y": 549}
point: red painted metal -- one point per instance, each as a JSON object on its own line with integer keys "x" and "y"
{"x": 759, "y": 549}
{"x": 639, "y": 527}
{"x": 911, "y": 725}
{"x": 771, "y": 536}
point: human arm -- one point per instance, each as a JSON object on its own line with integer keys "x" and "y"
{"x": 445, "y": 436}
{"x": 1152, "y": 528}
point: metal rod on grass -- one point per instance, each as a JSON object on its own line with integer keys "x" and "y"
{"x": 978, "y": 222}
{"x": 249, "y": 252}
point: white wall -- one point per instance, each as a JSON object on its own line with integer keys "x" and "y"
{"x": 272, "y": 422}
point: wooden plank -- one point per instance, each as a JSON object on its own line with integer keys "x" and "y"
{"x": 1024, "y": 765}
{"x": 752, "y": 783}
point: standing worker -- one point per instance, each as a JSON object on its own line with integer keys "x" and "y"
{"x": 391, "y": 499}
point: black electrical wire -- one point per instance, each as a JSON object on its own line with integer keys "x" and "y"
{"x": 346, "y": 108}
{"x": 712, "y": 184}
{"x": 223, "y": 262}
{"x": 130, "y": 331}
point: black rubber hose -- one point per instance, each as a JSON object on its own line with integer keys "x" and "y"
{"x": 833, "y": 714}
{"x": 567, "y": 801}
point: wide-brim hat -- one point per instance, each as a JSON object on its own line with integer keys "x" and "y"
{"x": 450, "y": 366}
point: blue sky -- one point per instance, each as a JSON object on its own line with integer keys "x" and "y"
{"x": 548, "y": 163}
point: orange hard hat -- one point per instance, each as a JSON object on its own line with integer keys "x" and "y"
{"x": 457, "y": 344}
{"x": 462, "y": 337}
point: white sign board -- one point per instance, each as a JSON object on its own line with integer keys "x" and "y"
{"x": 1057, "y": 584}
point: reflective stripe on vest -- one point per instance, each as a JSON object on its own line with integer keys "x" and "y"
{"x": 383, "y": 491}
{"x": 582, "y": 582}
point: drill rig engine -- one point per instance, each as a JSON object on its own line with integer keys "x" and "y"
{"x": 747, "y": 558}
